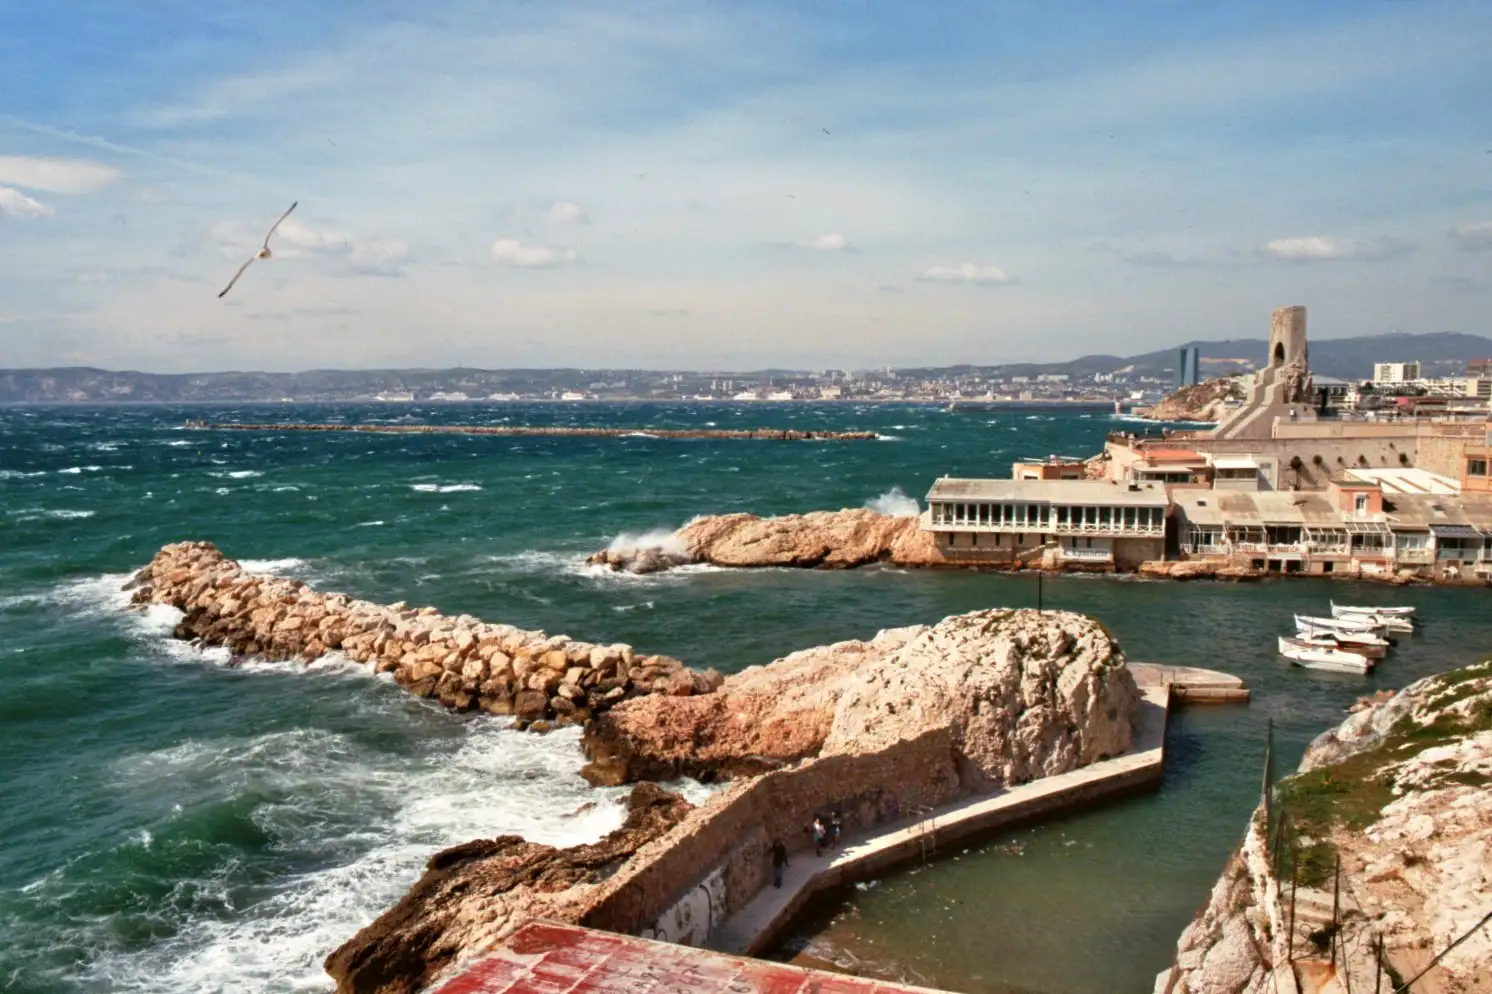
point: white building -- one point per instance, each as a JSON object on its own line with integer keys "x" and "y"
{"x": 1395, "y": 372}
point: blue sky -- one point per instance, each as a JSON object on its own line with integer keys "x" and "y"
{"x": 695, "y": 185}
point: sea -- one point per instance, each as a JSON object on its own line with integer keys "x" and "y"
{"x": 172, "y": 822}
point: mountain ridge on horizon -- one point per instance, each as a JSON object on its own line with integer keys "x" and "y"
{"x": 1346, "y": 358}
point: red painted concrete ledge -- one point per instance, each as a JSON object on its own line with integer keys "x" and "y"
{"x": 546, "y": 958}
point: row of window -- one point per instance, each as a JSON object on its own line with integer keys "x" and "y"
{"x": 1036, "y": 516}
{"x": 1197, "y": 539}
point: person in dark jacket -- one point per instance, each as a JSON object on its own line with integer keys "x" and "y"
{"x": 779, "y": 860}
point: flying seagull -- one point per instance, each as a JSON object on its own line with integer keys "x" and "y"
{"x": 263, "y": 253}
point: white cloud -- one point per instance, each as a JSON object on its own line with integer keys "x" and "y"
{"x": 833, "y": 242}
{"x": 510, "y": 252}
{"x": 1473, "y": 236}
{"x": 969, "y": 272}
{"x": 56, "y": 175}
{"x": 14, "y": 203}
{"x": 354, "y": 255}
{"x": 1320, "y": 248}
{"x": 563, "y": 211}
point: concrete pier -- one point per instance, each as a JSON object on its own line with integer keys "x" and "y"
{"x": 753, "y": 929}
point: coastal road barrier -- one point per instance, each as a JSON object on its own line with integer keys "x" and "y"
{"x": 556, "y": 431}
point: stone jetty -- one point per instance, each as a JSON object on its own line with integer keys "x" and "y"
{"x": 553, "y": 431}
{"x": 464, "y": 663}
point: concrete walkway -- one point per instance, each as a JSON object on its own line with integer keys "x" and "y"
{"x": 753, "y": 928}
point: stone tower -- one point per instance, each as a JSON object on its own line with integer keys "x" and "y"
{"x": 1287, "y": 338}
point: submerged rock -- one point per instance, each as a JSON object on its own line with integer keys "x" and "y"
{"x": 1022, "y": 695}
{"x": 473, "y": 895}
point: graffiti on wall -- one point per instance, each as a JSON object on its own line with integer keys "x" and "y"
{"x": 690, "y": 921}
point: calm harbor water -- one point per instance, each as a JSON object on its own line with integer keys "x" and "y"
{"x": 171, "y": 823}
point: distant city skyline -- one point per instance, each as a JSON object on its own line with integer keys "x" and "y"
{"x": 675, "y": 185}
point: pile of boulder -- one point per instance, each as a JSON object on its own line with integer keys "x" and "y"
{"x": 462, "y": 662}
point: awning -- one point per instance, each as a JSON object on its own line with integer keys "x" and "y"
{"x": 1454, "y": 531}
{"x": 1234, "y": 462}
{"x": 1368, "y": 528}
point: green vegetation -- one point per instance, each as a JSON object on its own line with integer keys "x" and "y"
{"x": 1350, "y": 794}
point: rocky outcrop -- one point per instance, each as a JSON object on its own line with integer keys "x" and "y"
{"x": 473, "y": 895}
{"x": 1206, "y": 401}
{"x": 462, "y": 662}
{"x": 1398, "y": 792}
{"x": 1022, "y": 694}
{"x": 1199, "y": 569}
{"x": 821, "y": 539}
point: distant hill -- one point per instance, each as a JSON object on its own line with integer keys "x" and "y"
{"x": 1443, "y": 354}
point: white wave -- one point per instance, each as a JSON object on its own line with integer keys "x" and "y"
{"x": 895, "y": 503}
{"x": 271, "y": 565}
{"x": 446, "y": 488}
{"x": 665, "y": 540}
{"x": 280, "y": 490}
{"x": 177, "y": 443}
{"x": 238, "y": 474}
{"x": 75, "y": 470}
{"x": 622, "y": 608}
{"x": 887, "y": 438}
{"x": 38, "y": 514}
{"x": 368, "y": 524}
{"x": 366, "y": 821}
{"x": 17, "y": 474}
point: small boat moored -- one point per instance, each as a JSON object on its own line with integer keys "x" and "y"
{"x": 1375, "y": 649}
{"x": 1387, "y": 622}
{"x": 1353, "y": 623}
{"x": 1337, "y": 610}
{"x": 1315, "y": 657}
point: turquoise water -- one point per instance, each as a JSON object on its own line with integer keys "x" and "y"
{"x": 171, "y": 823}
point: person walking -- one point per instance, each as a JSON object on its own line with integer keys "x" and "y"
{"x": 820, "y": 835}
{"x": 779, "y": 860}
{"x": 835, "y": 825}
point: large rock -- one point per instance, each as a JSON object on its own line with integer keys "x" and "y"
{"x": 1022, "y": 694}
{"x": 823, "y": 539}
{"x": 475, "y": 894}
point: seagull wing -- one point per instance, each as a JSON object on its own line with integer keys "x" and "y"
{"x": 277, "y": 224}
{"x": 236, "y": 276}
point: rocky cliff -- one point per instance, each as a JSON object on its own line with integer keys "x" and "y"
{"x": 1399, "y": 793}
{"x": 1206, "y": 401}
{"x": 1023, "y": 694}
{"x": 475, "y": 894}
{"x": 462, "y": 662}
{"x": 825, "y": 539}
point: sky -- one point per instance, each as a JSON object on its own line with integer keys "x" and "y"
{"x": 845, "y": 183}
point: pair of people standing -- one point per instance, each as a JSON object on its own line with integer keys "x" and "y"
{"x": 825, "y": 831}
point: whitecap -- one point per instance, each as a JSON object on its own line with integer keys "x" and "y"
{"x": 368, "y": 524}
{"x": 449, "y": 488}
{"x": 895, "y": 503}
{"x": 41, "y": 514}
{"x": 16, "y": 474}
{"x": 271, "y": 565}
{"x": 238, "y": 474}
{"x": 366, "y": 822}
{"x": 887, "y": 438}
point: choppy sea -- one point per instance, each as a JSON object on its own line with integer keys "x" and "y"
{"x": 170, "y": 823}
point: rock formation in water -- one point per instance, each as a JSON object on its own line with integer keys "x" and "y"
{"x": 1206, "y": 401}
{"x": 473, "y": 895}
{"x": 462, "y": 662}
{"x": 1024, "y": 694}
{"x": 825, "y": 539}
{"x": 1399, "y": 792}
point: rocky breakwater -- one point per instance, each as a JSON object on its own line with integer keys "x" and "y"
{"x": 556, "y": 431}
{"x": 462, "y": 662}
{"x": 1399, "y": 793}
{"x": 1020, "y": 695}
{"x": 821, "y": 539}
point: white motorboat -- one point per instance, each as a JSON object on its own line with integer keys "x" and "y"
{"x": 1313, "y": 657}
{"x": 1370, "y": 646}
{"x": 1386, "y": 622}
{"x": 1355, "y": 623}
{"x": 1337, "y": 610}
